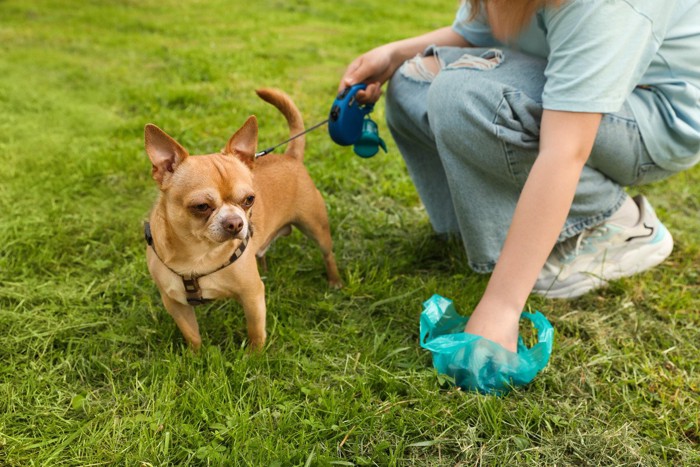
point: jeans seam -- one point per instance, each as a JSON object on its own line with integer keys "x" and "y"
{"x": 646, "y": 168}
{"x": 482, "y": 268}
{"x": 507, "y": 153}
{"x": 631, "y": 122}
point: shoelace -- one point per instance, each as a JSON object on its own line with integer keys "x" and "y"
{"x": 570, "y": 248}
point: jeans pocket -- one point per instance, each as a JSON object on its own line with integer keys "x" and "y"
{"x": 517, "y": 126}
{"x": 649, "y": 172}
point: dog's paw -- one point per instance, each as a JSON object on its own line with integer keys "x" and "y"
{"x": 335, "y": 283}
{"x": 256, "y": 344}
{"x": 194, "y": 343}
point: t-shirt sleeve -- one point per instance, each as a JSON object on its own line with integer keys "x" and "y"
{"x": 599, "y": 50}
{"x": 476, "y": 31}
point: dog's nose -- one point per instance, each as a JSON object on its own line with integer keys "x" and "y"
{"x": 233, "y": 224}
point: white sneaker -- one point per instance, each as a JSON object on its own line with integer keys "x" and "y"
{"x": 604, "y": 253}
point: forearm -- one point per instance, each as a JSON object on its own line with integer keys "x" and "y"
{"x": 566, "y": 140}
{"x": 378, "y": 65}
{"x": 543, "y": 206}
{"x": 539, "y": 216}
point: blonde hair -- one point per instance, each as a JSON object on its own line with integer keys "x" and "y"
{"x": 508, "y": 17}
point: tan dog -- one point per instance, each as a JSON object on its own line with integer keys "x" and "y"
{"x": 217, "y": 212}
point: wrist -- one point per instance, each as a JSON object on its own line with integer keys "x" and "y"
{"x": 396, "y": 54}
{"x": 496, "y": 324}
{"x": 501, "y": 304}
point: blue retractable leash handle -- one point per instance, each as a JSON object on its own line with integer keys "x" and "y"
{"x": 349, "y": 123}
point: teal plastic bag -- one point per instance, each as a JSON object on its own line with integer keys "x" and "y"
{"x": 477, "y": 363}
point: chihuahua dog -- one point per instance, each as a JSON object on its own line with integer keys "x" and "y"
{"x": 217, "y": 212}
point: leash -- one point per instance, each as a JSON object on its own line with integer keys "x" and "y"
{"x": 264, "y": 152}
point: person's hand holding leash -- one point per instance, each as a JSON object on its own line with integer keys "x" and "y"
{"x": 373, "y": 68}
{"x": 378, "y": 65}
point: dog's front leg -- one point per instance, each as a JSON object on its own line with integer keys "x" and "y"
{"x": 185, "y": 319}
{"x": 252, "y": 299}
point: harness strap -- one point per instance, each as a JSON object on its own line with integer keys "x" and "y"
{"x": 193, "y": 291}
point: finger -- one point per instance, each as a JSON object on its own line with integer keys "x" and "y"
{"x": 375, "y": 90}
{"x": 365, "y": 96}
{"x": 350, "y": 76}
{"x": 371, "y": 94}
{"x": 362, "y": 70}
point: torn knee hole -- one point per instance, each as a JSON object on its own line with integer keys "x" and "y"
{"x": 486, "y": 61}
{"x": 422, "y": 68}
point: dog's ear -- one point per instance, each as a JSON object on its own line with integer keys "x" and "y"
{"x": 244, "y": 142}
{"x": 165, "y": 153}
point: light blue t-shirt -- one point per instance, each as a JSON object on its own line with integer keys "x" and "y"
{"x": 601, "y": 53}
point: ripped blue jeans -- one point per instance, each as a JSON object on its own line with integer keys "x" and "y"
{"x": 470, "y": 135}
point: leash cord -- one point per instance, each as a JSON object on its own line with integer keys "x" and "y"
{"x": 272, "y": 148}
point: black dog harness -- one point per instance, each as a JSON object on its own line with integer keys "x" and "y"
{"x": 192, "y": 289}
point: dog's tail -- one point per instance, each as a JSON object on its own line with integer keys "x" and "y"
{"x": 284, "y": 103}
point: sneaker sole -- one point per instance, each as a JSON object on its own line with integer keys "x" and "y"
{"x": 651, "y": 254}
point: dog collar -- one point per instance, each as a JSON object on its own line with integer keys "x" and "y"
{"x": 193, "y": 291}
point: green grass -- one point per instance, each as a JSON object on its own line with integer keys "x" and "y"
{"x": 94, "y": 372}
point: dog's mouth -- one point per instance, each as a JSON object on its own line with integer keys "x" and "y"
{"x": 240, "y": 235}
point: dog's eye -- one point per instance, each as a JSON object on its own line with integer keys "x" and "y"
{"x": 204, "y": 207}
{"x": 248, "y": 201}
